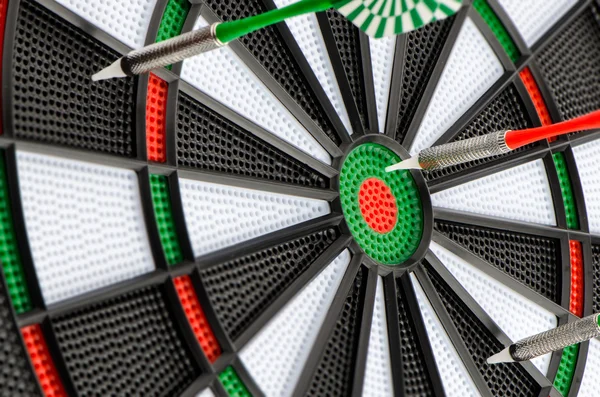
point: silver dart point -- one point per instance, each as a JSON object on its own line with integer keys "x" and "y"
{"x": 109, "y": 72}
{"x": 502, "y": 357}
{"x": 410, "y": 164}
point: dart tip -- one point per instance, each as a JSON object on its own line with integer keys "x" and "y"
{"x": 109, "y": 72}
{"x": 502, "y": 357}
{"x": 410, "y": 164}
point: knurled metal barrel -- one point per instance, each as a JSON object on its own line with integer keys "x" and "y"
{"x": 171, "y": 51}
{"x": 450, "y": 154}
{"x": 556, "y": 339}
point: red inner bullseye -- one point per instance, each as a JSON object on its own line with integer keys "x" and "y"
{"x": 378, "y": 205}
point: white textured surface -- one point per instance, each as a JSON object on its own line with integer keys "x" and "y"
{"x": 516, "y": 315}
{"x": 222, "y": 75}
{"x": 126, "y": 21}
{"x": 378, "y": 370}
{"x": 590, "y": 383}
{"x": 206, "y": 393}
{"x": 85, "y": 224}
{"x": 470, "y": 72}
{"x": 533, "y": 18}
{"x": 218, "y": 216}
{"x": 276, "y": 356}
{"x": 587, "y": 157}
{"x": 307, "y": 33}
{"x": 382, "y": 60}
{"x": 455, "y": 378}
{"x": 521, "y": 193}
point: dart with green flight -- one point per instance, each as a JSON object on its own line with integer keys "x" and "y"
{"x": 377, "y": 18}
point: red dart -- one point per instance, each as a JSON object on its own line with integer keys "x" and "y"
{"x": 493, "y": 144}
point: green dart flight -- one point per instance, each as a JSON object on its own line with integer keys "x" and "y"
{"x": 377, "y": 18}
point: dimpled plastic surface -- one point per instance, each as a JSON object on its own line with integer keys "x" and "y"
{"x": 335, "y": 370}
{"x": 275, "y": 357}
{"x": 67, "y": 107}
{"x": 596, "y": 278}
{"x": 85, "y": 224}
{"x": 369, "y": 161}
{"x": 306, "y": 31}
{"x": 378, "y": 205}
{"x": 269, "y": 48}
{"x": 516, "y": 315}
{"x": 206, "y": 393}
{"x": 164, "y": 219}
{"x": 209, "y": 141}
{"x": 533, "y": 18}
{"x": 472, "y": 68}
{"x": 536, "y": 96}
{"x": 454, "y": 375}
{"x": 532, "y": 260}
{"x": 504, "y": 112}
{"x": 42, "y": 362}
{"x": 566, "y": 369}
{"x": 127, "y": 345}
{"x": 240, "y": 290}
{"x": 156, "y": 119}
{"x": 577, "y": 279}
{"x": 233, "y": 384}
{"x": 9, "y": 251}
{"x": 219, "y": 216}
{"x": 521, "y": 193}
{"x": 589, "y": 382}
{"x": 126, "y": 21}
{"x": 587, "y": 157}
{"x": 422, "y": 51}
{"x": 502, "y": 379}
{"x": 196, "y": 317}
{"x": 566, "y": 189}
{"x": 173, "y": 19}
{"x": 382, "y": 62}
{"x": 490, "y": 17}
{"x": 235, "y": 86}
{"x": 3, "y": 12}
{"x": 378, "y": 369}
{"x": 569, "y": 64}
{"x": 347, "y": 40}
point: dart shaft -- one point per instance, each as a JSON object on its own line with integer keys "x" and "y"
{"x": 556, "y": 339}
{"x": 472, "y": 149}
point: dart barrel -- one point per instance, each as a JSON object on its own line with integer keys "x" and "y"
{"x": 450, "y": 154}
{"x": 556, "y": 339}
{"x": 171, "y": 51}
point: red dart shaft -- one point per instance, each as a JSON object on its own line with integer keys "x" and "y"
{"x": 516, "y": 139}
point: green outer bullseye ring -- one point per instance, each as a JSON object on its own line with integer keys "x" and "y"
{"x": 397, "y": 246}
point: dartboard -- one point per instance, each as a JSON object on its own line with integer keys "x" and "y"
{"x": 224, "y": 227}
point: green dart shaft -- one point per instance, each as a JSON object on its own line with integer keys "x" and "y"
{"x": 229, "y": 31}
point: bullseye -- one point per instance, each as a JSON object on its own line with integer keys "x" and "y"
{"x": 378, "y": 205}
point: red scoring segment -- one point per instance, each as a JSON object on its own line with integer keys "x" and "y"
{"x": 196, "y": 317}
{"x": 576, "y": 299}
{"x": 536, "y": 96}
{"x": 156, "y": 109}
{"x": 42, "y": 362}
{"x": 378, "y": 205}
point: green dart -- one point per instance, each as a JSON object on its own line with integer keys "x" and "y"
{"x": 377, "y": 18}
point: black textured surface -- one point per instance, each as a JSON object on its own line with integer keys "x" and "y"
{"x": 417, "y": 382}
{"x": 16, "y": 376}
{"x": 128, "y": 345}
{"x": 268, "y": 47}
{"x": 334, "y": 372}
{"x": 570, "y": 65}
{"x": 505, "y": 112}
{"x": 211, "y": 142}
{"x": 241, "y": 289}
{"x": 507, "y": 380}
{"x": 55, "y": 100}
{"x": 532, "y": 260}
{"x": 347, "y": 40}
{"x": 596, "y": 275}
{"x": 423, "y": 48}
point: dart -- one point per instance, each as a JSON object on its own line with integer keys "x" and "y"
{"x": 493, "y": 144}
{"x": 377, "y": 18}
{"x": 547, "y": 342}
